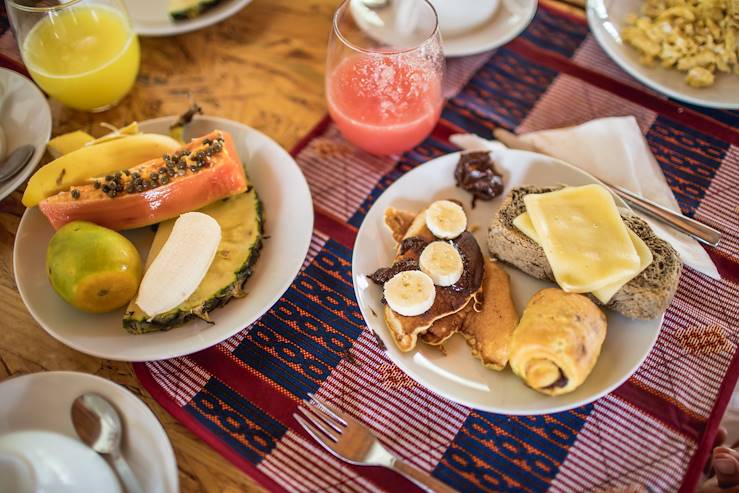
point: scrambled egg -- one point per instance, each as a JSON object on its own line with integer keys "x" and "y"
{"x": 699, "y": 37}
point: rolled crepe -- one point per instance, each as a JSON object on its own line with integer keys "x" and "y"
{"x": 557, "y": 342}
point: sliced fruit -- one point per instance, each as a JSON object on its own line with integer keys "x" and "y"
{"x": 205, "y": 170}
{"x": 189, "y": 9}
{"x": 78, "y": 167}
{"x": 441, "y": 262}
{"x": 240, "y": 218}
{"x": 93, "y": 268}
{"x": 181, "y": 264}
{"x": 410, "y": 293}
{"x": 70, "y": 142}
{"x": 446, "y": 219}
{"x": 116, "y": 133}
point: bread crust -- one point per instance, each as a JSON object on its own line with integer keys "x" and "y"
{"x": 646, "y": 296}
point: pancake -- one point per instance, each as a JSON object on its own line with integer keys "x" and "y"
{"x": 398, "y": 222}
{"x": 487, "y": 322}
{"x": 449, "y": 300}
{"x": 489, "y": 326}
{"x": 446, "y": 327}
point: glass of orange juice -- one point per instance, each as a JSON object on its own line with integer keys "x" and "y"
{"x": 83, "y": 53}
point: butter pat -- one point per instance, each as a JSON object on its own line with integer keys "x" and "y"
{"x": 584, "y": 238}
{"x": 604, "y": 294}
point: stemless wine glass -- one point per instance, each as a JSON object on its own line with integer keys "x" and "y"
{"x": 82, "y": 52}
{"x": 384, "y": 73}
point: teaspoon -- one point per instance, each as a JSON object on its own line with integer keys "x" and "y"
{"x": 15, "y": 161}
{"x": 99, "y": 426}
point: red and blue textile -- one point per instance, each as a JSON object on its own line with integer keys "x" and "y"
{"x": 655, "y": 430}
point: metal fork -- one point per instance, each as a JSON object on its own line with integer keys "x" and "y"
{"x": 351, "y": 441}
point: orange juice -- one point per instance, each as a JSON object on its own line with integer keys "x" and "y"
{"x": 87, "y": 57}
{"x": 383, "y": 105}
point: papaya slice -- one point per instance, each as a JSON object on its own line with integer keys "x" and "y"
{"x": 204, "y": 171}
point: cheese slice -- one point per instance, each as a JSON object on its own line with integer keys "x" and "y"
{"x": 523, "y": 223}
{"x": 584, "y": 238}
{"x": 604, "y": 294}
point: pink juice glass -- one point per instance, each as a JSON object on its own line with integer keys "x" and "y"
{"x": 384, "y": 73}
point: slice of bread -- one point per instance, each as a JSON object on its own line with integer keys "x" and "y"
{"x": 646, "y": 296}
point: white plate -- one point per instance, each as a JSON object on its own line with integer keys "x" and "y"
{"x": 607, "y": 18}
{"x": 458, "y": 375}
{"x": 151, "y": 17}
{"x": 512, "y": 17}
{"x": 25, "y": 119}
{"x": 42, "y": 402}
{"x": 288, "y": 213}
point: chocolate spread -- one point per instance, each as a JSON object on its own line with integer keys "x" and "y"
{"x": 473, "y": 264}
{"x": 384, "y": 274}
{"x": 561, "y": 382}
{"x": 476, "y": 173}
{"x": 413, "y": 244}
{"x": 449, "y": 299}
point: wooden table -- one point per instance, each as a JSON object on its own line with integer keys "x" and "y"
{"x": 264, "y": 67}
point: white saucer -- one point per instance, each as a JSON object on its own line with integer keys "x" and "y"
{"x": 25, "y": 119}
{"x": 42, "y": 402}
{"x": 457, "y": 375}
{"x": 512, "y": 17}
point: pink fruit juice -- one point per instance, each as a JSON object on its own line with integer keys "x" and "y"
{"x": 384, "y": 104}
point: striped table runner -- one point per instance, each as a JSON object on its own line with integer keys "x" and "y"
{"x": 655, "y": 430}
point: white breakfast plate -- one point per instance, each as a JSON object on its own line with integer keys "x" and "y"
{"x": 606, "y": 19}
{"x": 151, "y": 18}
{"x": 25, "y": 119}
{"x": 42, "y": 402}
{"x": 511, "y": 18}
{"x": 458, "y": 375}
{"x": 288, "y": 214}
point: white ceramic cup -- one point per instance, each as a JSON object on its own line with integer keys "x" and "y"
{"x": 458, "y": 16}
{"x": 46, "y": 462}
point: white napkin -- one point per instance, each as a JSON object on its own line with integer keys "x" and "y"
{"x": 615, "y": 150}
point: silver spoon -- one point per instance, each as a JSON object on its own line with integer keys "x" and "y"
{"x": 99, "y": 426}
{"x": 15, "y": 161}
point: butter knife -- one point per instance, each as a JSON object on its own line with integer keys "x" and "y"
{"x": 684, "y": 224}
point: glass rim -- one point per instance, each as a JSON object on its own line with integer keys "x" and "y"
{"x": 51, "y": 8}
{"x": 335, "y": 26}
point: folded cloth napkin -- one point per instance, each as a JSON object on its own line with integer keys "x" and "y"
{"x": 614, "y": 150}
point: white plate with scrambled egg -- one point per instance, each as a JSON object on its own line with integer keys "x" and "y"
{"x": 680, "y": 48}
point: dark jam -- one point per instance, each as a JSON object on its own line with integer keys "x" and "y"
{"x": 476, "y": 173}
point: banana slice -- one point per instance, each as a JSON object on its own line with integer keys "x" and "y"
{"x": 446, "y": 219}
{"x": 181, "y": 264}
{"x": 410, "y": 293}
{"x": 442, "y": 262}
